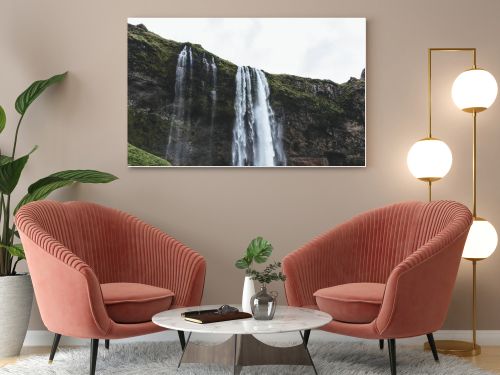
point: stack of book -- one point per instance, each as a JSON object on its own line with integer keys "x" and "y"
{"x": 213, "y": 316}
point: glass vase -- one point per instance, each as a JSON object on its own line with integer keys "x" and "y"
{"x": 263, "y": 304}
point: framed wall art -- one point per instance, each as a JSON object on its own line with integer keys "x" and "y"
{"x": 246, "y": 92}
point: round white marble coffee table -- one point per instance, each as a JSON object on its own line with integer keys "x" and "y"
{"x": 242, "y": 348}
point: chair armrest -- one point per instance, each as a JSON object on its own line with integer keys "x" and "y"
{"x": 66, "y": 289}
{"x": 323, "y": 262}
{"x": 419, "y": 289}
{"x": 165, "y": 262}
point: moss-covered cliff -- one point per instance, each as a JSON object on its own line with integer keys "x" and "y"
{"x": 141, "y": 158}
{"x": 322, "y": 122}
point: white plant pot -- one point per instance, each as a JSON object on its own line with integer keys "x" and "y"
{"x": 16, "y": 298}
{"x": 248, "y": 292}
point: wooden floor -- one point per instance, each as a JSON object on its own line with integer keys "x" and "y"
{"x": 488, "y": 360}
{"x": 26, "y": 352}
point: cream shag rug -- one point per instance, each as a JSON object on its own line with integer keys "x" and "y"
{"x": 162, "y": 357}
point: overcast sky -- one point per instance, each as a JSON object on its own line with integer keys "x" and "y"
{"x": 326, "y": 48}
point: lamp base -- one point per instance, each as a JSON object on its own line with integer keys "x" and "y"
{"x": 456, "y": 348}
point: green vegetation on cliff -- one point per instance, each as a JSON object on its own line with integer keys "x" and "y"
{"x": 152, "y": 64}
{"x": 138, "y": 157}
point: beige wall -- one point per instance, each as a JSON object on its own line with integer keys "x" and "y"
{"x": 83, "y": 124}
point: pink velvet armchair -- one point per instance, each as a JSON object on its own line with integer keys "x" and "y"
{"x": 385, "y": 274}
{"x": 99, "y": 273}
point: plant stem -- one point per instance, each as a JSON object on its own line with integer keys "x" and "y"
{"x": 3, "y": 252}
{"x": 12, "y": 234}
{"x": 5, "y": 234}
{"x": 13, "y": 271}
{"x": 15, "y": 137}
{"x": 12, "y": 238}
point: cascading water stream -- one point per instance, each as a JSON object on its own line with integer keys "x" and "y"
{"x": 212, "y": 67}
{"x": 181, "y": 116}
{"x": 257, "y": 139}
{"x": 180, "y": 140}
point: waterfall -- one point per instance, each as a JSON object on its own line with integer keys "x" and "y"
{"x": 181, "y": 116}
{"x": 213, "y": 98}
{"x": 241, "y": 148}
{"x": 180, "y": 140}
{"x": 257, "y": 137}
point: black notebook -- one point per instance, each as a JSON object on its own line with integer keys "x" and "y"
{"x": 213, "y": 317}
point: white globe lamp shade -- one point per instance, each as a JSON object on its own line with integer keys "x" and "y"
{"x": 474, "y": 90}
{"x": 429, "y": 159}
{"x": 481, "y": 241}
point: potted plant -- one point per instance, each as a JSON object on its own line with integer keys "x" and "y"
{"x": 258, "y": 251}
{"x": 263, "y": 303}
{"x": 16, "y": 291}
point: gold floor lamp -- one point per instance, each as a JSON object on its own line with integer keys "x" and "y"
{"x": 430, "y": 159}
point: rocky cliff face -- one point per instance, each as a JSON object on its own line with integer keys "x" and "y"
{"x": 322, "y": 122}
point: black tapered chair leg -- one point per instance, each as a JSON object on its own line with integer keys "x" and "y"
{"x": 55, "y": 344}
{"x": 94, "y": 346}
{"x": 106, "y": 344}
{"x": 392, "y": 355}
{"x": 182, "y": 339}
{"x": 307, "y": 333}
{"x": 381, "y": 344}
{"x": 432, "y": 344}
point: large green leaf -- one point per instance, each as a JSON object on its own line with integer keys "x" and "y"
{"x": 4, "y": 159}
{"x": 10, "y": 172}
{"x": 31, "y": 93}
{"x": 86, "y": 176}
{"x": 43, "y": 187}
{"x": 242, "y": 263}
{"x": 3, "y": 119}
{"x": 15, "y": 250}
{"x": 259, "y": 250}
{"x": 42, "y": 193}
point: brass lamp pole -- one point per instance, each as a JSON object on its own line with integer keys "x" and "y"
{"x": 467, "y": 93}
{"x": 429, "y": 159}
{"x": 476, "y": 349}
{"x": 430, "y": 180}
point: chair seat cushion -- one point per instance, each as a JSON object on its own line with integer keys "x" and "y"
{"x": 135, "y": 303}
{"x": 351, "y": 303}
